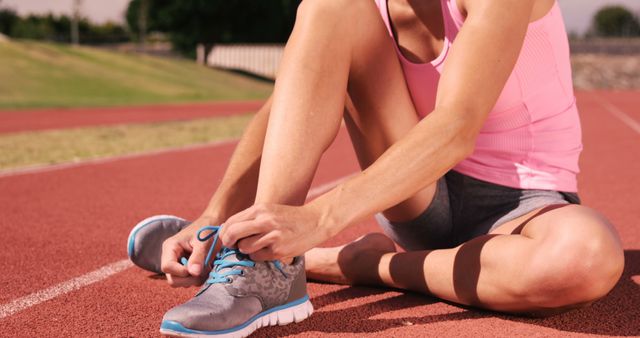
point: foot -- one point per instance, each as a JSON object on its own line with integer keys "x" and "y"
{"x": 354, "y": 263}
{"x": 144, "y": 245}
{"x": 241, "y": 296}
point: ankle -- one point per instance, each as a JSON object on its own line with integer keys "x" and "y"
{"x": 359, "y": 266}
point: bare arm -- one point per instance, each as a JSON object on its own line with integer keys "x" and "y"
{"x": 236, "y": 192}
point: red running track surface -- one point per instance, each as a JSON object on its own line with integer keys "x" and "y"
{"x": 59, "y": 118}
{"x": 60, "y": 224}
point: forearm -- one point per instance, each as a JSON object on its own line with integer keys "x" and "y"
{"x": 237, "y": 189}
{"x": 426, "y": 153}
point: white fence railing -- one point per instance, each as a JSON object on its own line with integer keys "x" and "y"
{"x": 262, "y": 60}
{"x": 611, "y": 46}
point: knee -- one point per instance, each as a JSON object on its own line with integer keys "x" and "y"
{"x": 578, "y": 263}
{"x": 328, "y": 9}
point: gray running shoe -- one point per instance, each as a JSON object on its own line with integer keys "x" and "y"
{"x": 241, "y": 296}
{"x": 144, "y": 245}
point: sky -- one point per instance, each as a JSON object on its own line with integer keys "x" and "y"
{"x": 577, "y": 13}
{"x": 98, "y": 11}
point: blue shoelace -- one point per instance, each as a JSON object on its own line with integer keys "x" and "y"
{"x": 216, "y": 275}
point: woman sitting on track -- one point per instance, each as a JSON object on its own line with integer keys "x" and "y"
{"x": 464, "y": 122}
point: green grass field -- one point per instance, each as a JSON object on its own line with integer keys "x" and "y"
{"x": 18, "y": 150}
{"x": 35, "y": 74}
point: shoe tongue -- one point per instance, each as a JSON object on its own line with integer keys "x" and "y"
{"x": 233, "y": 255}
{"x": 228, "y": 256}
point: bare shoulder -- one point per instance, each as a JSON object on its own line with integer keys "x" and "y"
{"x": 539, "y": 7}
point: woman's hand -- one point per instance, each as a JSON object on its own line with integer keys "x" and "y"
{"x": 274, "y": 231}
{"x": 186, "y": 244}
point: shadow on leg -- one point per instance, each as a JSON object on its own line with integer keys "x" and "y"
{"x": 562, "y": 258}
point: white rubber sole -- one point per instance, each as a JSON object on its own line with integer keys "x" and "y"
{"x": 141, "y": 225}
{"x": 288, "y": 315}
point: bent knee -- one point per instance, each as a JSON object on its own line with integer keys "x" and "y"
{"x": 332, "y": 8}
{"x": 579, "y": 262}
{"x": 571, "y": 281}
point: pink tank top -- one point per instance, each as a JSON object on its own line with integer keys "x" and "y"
{"x": 531, "y": 138}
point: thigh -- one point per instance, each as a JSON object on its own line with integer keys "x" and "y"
{"x": 575, "y": 221}
{"x": 564, "y": 224}
{"x": 379, "y": 110}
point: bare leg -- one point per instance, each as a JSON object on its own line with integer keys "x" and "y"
{"x": 548, "y": 261}
{"x": 336, "y": 47}
{"x": 306, "y": 112}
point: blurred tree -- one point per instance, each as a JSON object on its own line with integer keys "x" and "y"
{"x": 191, "y": 22}
{"x": 108, "y": 32}
{"x": 33, "y": 27}
{"x": 56, "y": 28}
{"x": 154, "y": 21}
{"x": 8, "y": 18}
{"x": 616, "y": 21}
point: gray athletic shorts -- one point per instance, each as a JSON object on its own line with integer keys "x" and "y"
{"x": 464, "y": 208}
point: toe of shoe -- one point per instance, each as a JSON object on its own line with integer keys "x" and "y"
{"x": 219, "y": 313}
{"x": 192, "y": 317}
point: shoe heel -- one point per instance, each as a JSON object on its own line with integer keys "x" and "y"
{"x": 303, "y": 312}
{"x": 296, "y": 314}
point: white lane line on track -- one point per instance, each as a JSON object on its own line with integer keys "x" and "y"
{"x": 621, "y": 115}
{"x": 44, "y": 295}
{"x": 53, "y": 167}
{"x": 105, "y": 272}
